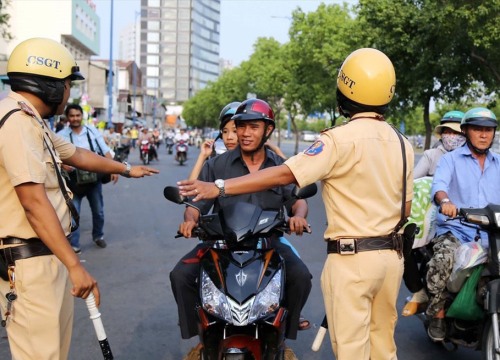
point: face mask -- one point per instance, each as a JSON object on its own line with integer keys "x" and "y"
{"x": 452, "y": 141}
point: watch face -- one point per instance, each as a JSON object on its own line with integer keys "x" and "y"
{"x": 219, "y": 183}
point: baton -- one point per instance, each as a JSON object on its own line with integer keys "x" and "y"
{"x": 95, "y": 316}
{"x": 320, "y": 335}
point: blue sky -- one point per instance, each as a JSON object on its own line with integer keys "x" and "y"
{"x": 242, "y": 22}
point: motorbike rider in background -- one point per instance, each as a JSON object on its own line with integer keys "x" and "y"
{"x": 466, "y": 177}
{"x": 254, "y": 120}
{"x": 450, "y": 137}
{"x": 146, "y": 135}
{"x": 181, "y": 136}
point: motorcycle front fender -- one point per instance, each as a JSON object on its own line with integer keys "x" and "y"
{"x": 492, "y": 301}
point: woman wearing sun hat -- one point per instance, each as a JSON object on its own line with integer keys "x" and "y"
{"x": 451, "y": 137}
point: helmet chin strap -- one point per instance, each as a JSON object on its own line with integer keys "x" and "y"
{"x": 479, "y": 151}
{"x": 261, "y": 144}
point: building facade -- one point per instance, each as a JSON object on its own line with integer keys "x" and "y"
{"x": 179, "y": 47}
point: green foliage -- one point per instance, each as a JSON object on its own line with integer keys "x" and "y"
{"x": 4, "y": 20}
{"x": 444, "y": 52}
{"x": 439, "y": 48}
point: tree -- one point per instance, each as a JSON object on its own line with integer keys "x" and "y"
{"x": 319, "y": 42}
{"x": 435, "y": 52}
{"x": 4, "y": 20}
{"x": 203, "y": 109}
{"x": 267, "y": 75}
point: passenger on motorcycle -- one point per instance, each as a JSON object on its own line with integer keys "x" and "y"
{"x": 227, "y": 134}
{"x": 466, "y": 177}
{"x": 450, "y": 137}
{"x": 254, "y": 123}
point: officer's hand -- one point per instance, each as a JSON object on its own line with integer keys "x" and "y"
{"x": 83, "y": 283}
{"x": 298, "y": 224}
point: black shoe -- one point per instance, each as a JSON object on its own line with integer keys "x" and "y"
{"x": 437, "y": 329}
{"x": 101, "y": 243}
{"x": 77, "y": 250}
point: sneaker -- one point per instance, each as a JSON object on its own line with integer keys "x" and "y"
{"x": 437, "y": 329}
{"x": 100, "y": 242}
{"x": 77, "y": 250}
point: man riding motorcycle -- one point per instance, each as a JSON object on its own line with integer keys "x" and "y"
{"x": 255, "y": 122}
{"x": 466, "y": 177}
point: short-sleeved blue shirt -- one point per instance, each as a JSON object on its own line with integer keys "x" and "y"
{"x": 460, "y": 176}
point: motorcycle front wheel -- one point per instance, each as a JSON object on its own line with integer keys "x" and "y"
{"x": 488, "y": 342}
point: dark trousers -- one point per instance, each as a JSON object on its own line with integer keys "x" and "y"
{"x": 185, "y": 288}
{"x": 411, "y": 274}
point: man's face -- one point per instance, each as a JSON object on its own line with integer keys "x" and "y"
{"x": 75, "y": 118}
{"x": 250, "y": 134}
{"x": 481, "y": 137}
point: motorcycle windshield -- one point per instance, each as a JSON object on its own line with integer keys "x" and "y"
{"x": 241, "y": 221}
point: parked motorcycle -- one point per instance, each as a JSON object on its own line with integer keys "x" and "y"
{"x": 181, "y": 152}
{"x": 483, "y": 334}
{"x": 241, "y": 281}
{"x": 169, "y": 141}
{"x": 145, "y": 151}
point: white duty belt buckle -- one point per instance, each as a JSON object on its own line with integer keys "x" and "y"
{"x": 347, "y": 246}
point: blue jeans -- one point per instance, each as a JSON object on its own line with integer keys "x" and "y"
{"x": 94, "y": 196}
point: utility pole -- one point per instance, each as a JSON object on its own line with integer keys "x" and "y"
{"x": 134, "y": 70}
{"x": 110, "y": 74}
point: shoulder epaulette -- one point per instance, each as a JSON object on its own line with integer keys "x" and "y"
{"x": 26, "y": 109}
{"x": 335, "y": 126}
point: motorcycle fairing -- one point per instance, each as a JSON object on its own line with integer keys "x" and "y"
{"x": 243, "y": 221}
{"x": 227, "y": 269}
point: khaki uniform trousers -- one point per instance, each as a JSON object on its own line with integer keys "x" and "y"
{"x": 41, "y": 320}
{"x": 360, "y": 293}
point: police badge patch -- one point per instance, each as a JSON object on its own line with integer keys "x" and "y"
{"x": 315, "y": 149}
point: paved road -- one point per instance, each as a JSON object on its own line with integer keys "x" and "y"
{"x": 138, "y": 309}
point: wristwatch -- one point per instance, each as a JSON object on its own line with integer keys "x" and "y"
{"x": 444, "y": 201}
{"x": 220, "y": 185}
{"x": 126, "y": 172}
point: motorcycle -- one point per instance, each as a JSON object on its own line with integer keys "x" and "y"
{"x": 121, "y": 152}
{"x": 241, "y": 281}
{"x": 145, "y": 151}
{"x": 169, "y": 143}
{"x": 483, "y": 334}
{"x": 181, "y": 152}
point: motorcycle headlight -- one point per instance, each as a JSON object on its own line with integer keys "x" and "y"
{"x": 268, "y": 300}
{"x": 213, "y": 300}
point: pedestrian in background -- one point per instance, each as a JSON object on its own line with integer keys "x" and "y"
{"x": 44, "y": 273}
{"x": 86, "y": 137}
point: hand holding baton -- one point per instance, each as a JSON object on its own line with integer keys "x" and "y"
{"x": 320, "y": 335}
{"x": 95, "y": 316}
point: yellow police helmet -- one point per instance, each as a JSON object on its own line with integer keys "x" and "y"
{"x": 366, "y": 82}
{"x": 43, "y": 57}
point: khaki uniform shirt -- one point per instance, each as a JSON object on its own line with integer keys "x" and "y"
{"x": 360, "y": 165}
{"x": 24, "y": 158}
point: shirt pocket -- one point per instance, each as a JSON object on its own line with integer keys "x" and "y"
{"x": 51, "y": 181}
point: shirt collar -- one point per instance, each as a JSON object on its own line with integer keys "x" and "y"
{"x": 235, "y": 155}
{"x": 18, "y": 97}
{"x": 465, "y": 151}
